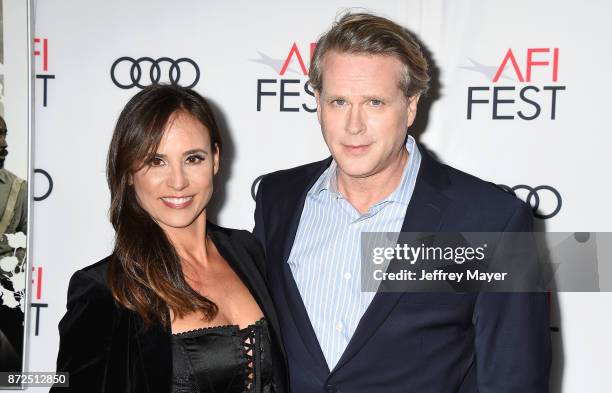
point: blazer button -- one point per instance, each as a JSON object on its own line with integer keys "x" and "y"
{"x": 332, "y": 389}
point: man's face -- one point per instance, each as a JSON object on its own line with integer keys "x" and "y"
{"x": 3, "y": 148}
{"x": 364, "y": 114}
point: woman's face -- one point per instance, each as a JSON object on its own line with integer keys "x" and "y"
{"x": 176, "y": 183}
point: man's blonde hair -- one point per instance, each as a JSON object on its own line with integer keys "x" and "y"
{"x": 367, "y": 34}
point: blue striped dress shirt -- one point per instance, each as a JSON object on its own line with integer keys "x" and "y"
{"x": 325, "y": 258}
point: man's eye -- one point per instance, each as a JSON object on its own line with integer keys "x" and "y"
{"x": 339, "y": 102}
{"x": 376, "y": 102}
{"x": 194, "y": 159}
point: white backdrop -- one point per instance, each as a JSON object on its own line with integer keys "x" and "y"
{"x": 236, "y": 44}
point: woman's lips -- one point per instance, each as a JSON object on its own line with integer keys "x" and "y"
{"x": 177, "y": 202}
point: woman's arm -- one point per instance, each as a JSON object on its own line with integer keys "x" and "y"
{"x": 86, "y": 332}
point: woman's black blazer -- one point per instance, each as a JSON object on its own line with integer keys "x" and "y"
{"x": 104, "y": 347}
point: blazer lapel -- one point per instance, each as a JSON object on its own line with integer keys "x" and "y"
{"x": 247, "y": 272}
{"x": 155, "y": 355}
{"x": 293, "y": 298}
{"x": 295, "y": 205}
{"x": 424, "y": 213}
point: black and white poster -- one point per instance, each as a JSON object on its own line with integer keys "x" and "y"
{"x": 14, "y": 169}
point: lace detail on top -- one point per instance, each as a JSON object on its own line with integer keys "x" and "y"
{"x": 223, "y": 359}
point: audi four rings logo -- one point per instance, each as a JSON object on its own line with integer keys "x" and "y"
{"x": 127, "y": 72}
{"x": 535, "y": 195}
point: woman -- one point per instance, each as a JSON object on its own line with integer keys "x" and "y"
{"x": 181, "y": 304}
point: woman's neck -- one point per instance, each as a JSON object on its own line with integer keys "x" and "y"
{"x": 190, "y": 242}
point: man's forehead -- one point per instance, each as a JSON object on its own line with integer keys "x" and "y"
{"x": 361, "y": 74}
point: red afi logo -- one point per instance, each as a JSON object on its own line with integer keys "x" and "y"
{"x": 509, "y": 57}
{"x": 294, "y": 51}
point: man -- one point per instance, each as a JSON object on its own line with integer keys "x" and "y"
{"x": 13, "y": 192}
{"x": 368, "y": 74}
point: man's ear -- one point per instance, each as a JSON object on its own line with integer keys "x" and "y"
{"x": 317, "y": 94}
{"x": 412, "y": 109}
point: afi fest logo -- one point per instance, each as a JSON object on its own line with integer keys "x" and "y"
{"x": 290, "y": 91}
{"x": 41, "y": 50}
{"x": 37, "y": 305}
{"x": 534, "y": 93}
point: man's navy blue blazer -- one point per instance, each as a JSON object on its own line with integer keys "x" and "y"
{"x": 413, "y": 342}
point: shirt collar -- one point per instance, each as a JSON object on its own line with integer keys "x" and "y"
{"x": 327, "y": 180}
{"x": 4, "y": 178}
{"x": 402, "y": 193}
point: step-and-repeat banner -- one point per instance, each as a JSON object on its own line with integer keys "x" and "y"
{"x": 520, "y": 97}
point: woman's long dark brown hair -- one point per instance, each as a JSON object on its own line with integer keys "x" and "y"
{"x": 144, "y": 272}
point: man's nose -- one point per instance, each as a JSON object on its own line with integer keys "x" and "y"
{"x": 355, "y": 123}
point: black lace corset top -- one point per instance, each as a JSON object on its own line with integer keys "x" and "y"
{"x": 223, "y": 359}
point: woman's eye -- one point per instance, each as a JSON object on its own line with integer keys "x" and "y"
{"x": 194, "y": 159}
{"x": 156, "y": 161}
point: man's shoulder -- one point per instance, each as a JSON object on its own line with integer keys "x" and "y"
{"x": 9, "y": 174}
{"x": 295, "y": 176}
{"x": 8, "y": 177}
{"x": 298, "y": 172}
{"x": 465, "y": 185}
{"x": 482, "y": 201}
